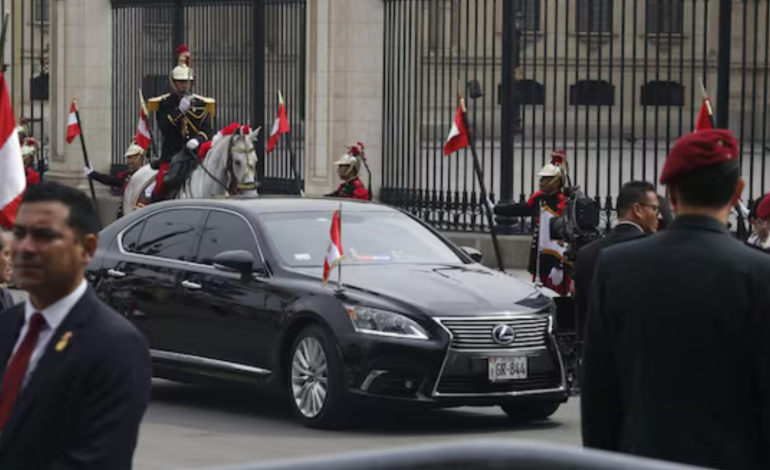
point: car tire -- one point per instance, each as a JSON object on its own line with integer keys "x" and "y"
{"x": 530, "y": 412}
{"x": 311, "y": 353}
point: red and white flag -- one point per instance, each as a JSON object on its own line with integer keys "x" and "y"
{"x": 73, "y": 125}
{"x": 280, "y": 126}
{"x": 13, "y": 179}
{"x": 704, "y": 116}
{"x": 334, "y": 255}
{"x": 458, "y": 135}
{"x": 143, "y": 131}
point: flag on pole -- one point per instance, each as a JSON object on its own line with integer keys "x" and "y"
{"x": 73, "y": 125}
{"x": 334, "y": 254}
{"x": 280, "y": 126}
{"x": 704, "y": 116}
{"x": 13, "y": 179}
{"x": 143, "y": 130}
{"x": 458, "y": 135}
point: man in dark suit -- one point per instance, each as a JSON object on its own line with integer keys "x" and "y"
{"x": 637, "y": 215}
{"x": 677, "y": 357}
{"x": 75, "y": 374}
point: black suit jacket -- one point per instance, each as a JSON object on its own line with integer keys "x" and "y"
{"x": 6, "y": 301}
{"x": 586, "y": 263}
{"x": 82, "y": 405}
{"x": 677, "y": 356}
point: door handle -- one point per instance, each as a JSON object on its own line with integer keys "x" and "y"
{"x": 116, "y": 273}
{"x": 191, "y": 285}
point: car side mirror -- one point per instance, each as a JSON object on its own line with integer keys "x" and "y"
{"x": 239, "y": 261}
{"x": 473, "y": 253}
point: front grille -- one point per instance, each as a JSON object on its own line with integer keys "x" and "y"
{"x": 465, "y": 384}
{"x": 471, "y": 333}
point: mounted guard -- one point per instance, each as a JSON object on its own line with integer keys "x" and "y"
{"x": 185, "y": 122}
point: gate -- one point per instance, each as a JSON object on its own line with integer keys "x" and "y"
{"x": 243, "y": 52}
{"x": 612, "y": 82}
{"x": 25, "y": 61}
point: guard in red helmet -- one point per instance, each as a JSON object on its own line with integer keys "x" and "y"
{"x": 760, "y": 222}
{"x": 28, "y": 152}
{"x": 348, "y": 167}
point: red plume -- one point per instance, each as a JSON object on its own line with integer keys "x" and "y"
{"x": 183, "y": 50}
{"x": 558, "y": 157}
{"x": 230, "y": 130}
{"x": 354, "y": 151}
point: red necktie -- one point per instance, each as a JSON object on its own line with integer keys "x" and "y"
{"x": 17, "y": 368}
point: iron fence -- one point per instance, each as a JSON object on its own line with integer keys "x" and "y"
{"x": 26, "y": 66}
{"x": 243, "y": 52}
{"x": 612, "y": 82}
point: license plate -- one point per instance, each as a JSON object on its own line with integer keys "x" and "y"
{"x": 507, "y": 368}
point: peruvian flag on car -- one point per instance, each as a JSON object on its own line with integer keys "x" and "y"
{"x": 13, "y": 179}
{"x": 73, "y": 124}
{"x": 334, "y": 254}
{"x": 280, "y": 126}
{"x": 143, "y": 131}
{"x": 458, "y": 135}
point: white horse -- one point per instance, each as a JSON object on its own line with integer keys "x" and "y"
{"x": 230, "y": 167}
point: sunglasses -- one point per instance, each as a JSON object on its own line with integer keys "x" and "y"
{"x": 654, "y": 207}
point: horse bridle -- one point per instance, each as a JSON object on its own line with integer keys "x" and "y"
{"x": 233, "y": 187}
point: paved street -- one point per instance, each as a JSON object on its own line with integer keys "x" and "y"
{"x": 192, "y": 427}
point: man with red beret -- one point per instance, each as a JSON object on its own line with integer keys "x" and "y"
{"x": 677, "y": 349}
{"x": 760, "y": 221}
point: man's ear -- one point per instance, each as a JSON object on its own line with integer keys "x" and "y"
{"x": 673, "y": 197}
{"x": 738, "y": 191}
{"x": 90, "y": 241}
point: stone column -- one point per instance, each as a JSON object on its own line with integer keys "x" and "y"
{"x": 345, "y": 78}
{"x": 82, "y": 69}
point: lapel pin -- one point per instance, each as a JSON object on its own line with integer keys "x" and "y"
{"x": 65, "y": 339}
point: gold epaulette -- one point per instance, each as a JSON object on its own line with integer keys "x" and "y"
{"x": 153, "y": 104}
{"x": 210, "y": 103}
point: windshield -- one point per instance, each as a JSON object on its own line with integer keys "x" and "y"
{"x": 301, "y": 239}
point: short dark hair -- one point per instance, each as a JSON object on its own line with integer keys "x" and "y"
{"x": 712, "y": 186}
{"x": 83, "y": 218}
{"x": 632, "y": 193}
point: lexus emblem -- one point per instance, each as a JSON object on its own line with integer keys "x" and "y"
{"x": 503, "y": 334}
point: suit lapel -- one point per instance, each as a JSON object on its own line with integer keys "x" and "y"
{"x": 72, "y": 327}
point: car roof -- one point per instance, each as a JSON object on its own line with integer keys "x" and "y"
{"x": 282, "y": 204}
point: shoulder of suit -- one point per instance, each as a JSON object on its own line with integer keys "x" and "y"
{"x": 204, "y": 99}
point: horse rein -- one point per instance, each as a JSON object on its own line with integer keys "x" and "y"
{"x": 232, "y": 187}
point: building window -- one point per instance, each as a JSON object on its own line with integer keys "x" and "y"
{"x": 594, "y": 16}
{"x": 42, "y": 11}
{"x": 592, "y": 93}
{"x": 530, "y": 92}
{"x": 664, "y": 16}
{"x": 39, "y": 88}
{"x": 662, "y": 94}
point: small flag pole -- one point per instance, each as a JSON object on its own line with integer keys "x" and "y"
{"x": 708, "y": 103}
{"x": 480, "y": 176}
{"x": 147, "y": 121}
{"x": 339, "y": 265}
{"x": 88, "y": 164}
{"x": 292, "y": 155}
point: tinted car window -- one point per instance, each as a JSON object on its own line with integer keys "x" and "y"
{"x": 170, "y": 234}
{"x": 131, "y": 237}
{"x": 224, "y": 232}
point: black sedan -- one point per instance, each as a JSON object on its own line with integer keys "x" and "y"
{"x": 232, "y": 290}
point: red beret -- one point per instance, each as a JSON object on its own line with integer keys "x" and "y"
{"x": 763, "y": 211}
{"x": 698, "y": 150}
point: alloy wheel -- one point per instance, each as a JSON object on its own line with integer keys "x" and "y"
{"x": 309, "y": 377}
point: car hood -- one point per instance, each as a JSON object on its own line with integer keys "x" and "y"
{"x": 445, "y": 290}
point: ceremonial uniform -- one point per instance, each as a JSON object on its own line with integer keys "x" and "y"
{"x": 28, "y": 150}
{"x": 135, "y": 156}
{"x": 185, "y": 122}
{"x": 348, "y": 167}
{"x": 677, "y": 358}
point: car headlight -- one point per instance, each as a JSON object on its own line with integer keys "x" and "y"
{"x": 382, "y": 322}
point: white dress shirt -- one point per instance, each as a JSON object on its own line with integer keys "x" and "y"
{"x": 54, "y": 316}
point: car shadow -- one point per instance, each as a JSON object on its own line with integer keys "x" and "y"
{"x": 373, "y": 418}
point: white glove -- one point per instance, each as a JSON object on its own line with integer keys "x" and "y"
{"x": 556, "y": 276}
{"x": 88, "y": 170}
{"x": 193, "y": 144}
{"x": 184, "y": 103}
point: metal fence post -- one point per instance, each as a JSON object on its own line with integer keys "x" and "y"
{"x": 258, "y": 102}
{"x": 178, "y": 28}
{"x": 508, "y": 114}
{"x": 723, "y": 64}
